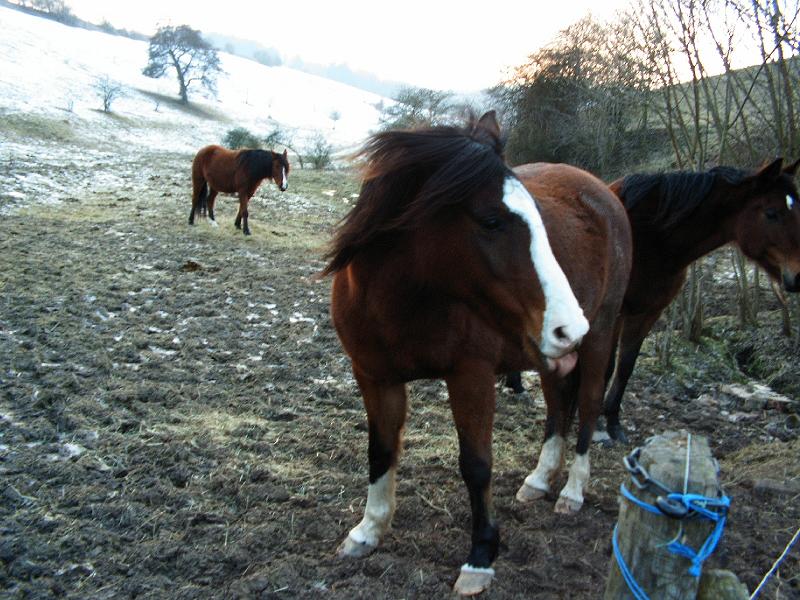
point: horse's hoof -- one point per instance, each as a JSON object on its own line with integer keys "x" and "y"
{"x": 601, "y": 437}
{"x": 473, "y": 581}
{"x": 617, "y": 433}
{"x": 213, "y": 223}
{"x": 568, "y": 506}
{"x": 247, "y": 232}
{"x": 350, "y": 548}
{"x": 528, "y": 494}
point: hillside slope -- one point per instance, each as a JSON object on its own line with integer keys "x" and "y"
{"x": 48, "y": 71}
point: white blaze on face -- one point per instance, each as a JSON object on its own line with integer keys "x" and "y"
{"x": 564, "y": 323}
{"x": 789, "y": 202}
{"x": 284, "y": 183}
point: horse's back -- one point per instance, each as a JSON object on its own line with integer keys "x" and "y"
{"x": 217, "y": 165}
{"x": 588, "y": 229}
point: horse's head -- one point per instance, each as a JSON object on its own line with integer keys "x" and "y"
{"x": 513, "y": 259}
{"x": 768, "y": 228}
{"x": 280, "y": 170}
{"x": 465, "y": 228}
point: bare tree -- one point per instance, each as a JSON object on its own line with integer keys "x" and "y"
{"x": 183, "y": 50}
{"x": 320, "y": 153}
{"x": 335, "y": 116}
{"x": 582, "y": 99}
{"x": 108, "y": 90}
{"x": 57, "y": 8}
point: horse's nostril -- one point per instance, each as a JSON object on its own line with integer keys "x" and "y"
{"x": 560, "y": 334}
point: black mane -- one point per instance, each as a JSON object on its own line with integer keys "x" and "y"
{"x": 256, "y": 163}
{"x": 410, "y": 175}
{"x": 674, "y": 196}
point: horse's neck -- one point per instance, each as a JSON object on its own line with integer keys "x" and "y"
{"x": 708, "y": 228}
{"x": 267, "y": 165}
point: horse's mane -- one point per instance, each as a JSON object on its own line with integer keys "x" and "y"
{"x": 256, "y": 163}
{"x": 409, "y": 175}
{"x": 675, "y": 195}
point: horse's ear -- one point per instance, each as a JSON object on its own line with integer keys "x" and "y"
{"x": 285, "y": 153}
{"x": 488, "y": 122}
{"x": 792, "y": 168}
{"x": 771, "y": 172}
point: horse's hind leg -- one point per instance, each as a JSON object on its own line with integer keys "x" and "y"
{"x": 472, "y": 401}
{"x": 199, "y": 192}
{"x": 514, "y": 382}
{"x": 634, "y": 330}
{"x": 212, "y": 198}
{"x": 559, "y": 394}
{"x": 386, "y": 416}
{"x": 593, "y": 358}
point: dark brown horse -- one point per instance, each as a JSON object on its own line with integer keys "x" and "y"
{"x": 448, "y": 268}
{"x": 216, "y": 169}
{"x": 678, "y": 217}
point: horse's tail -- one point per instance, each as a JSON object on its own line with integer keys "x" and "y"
{"x": 202, "y": 201}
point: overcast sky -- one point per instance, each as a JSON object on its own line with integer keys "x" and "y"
{"x": 460, "y": 45}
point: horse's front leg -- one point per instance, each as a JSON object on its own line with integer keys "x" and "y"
{"x": 245, "y": 214}
{"x": 472, "y": 401}
{"x": 593, "y": 358}
{"x": 386, "y": 407}
{"x": 243, "y": 199}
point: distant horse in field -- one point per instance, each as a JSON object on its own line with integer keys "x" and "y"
{"x": 216, "y": 169}
{"x": 678, "y": 217}
{"x": 453, "y": 266}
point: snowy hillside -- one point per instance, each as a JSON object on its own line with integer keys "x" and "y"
{"x": 49, "y": 70}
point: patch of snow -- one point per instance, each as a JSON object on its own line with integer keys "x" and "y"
{"x": 48, "y": 80}
{"x": 299, "y": 318}
{"x": 162, "y": 351}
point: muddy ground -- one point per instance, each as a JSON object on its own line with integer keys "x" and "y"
{"x": 177, "y": 419}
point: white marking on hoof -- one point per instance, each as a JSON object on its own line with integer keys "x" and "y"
{"x": 351, "y": 548}
{"x": 473, "y": 580}
{"x": 366, "y": 536}
{"x": 571, "y": 498}
{"x": 568, "y": 506}
{"x": 527, "y": 493}
{"x": 537, "y": 484}
{"x": 213, "y": 223}
{"x": 600, "y": 436}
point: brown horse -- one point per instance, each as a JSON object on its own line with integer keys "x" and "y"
{"x": 448, "y": 268}
{"x": 216, "y": 169}
{"x": 678, "y": 217}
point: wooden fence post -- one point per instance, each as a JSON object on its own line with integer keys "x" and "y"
{"x": 643, "y": 536}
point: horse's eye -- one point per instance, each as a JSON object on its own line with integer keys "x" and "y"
{"x": 771, "y": 214}
{"x": 492, "y": 223}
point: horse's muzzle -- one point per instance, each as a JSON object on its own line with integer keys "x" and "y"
{"x": 561, "y": 365}
{"x": 283, "y": 188}
{"x": 791, "y": 281}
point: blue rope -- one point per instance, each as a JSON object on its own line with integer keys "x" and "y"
{"x": 633, "y": 585}
{"x": 713, "y": 509}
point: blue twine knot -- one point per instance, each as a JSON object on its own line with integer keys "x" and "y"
{"x": 713, "y": 509}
